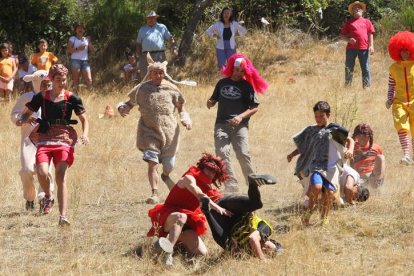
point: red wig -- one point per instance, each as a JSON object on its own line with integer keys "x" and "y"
{"x": 251, "y": 75}
{"x": 216, "y": 164}
{"x": 401, "y": 40}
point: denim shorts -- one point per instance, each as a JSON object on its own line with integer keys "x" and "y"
{"x": 168, "y": 163}
{"x": 83, "y": 65}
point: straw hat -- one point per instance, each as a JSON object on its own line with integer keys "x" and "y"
{"x": 361, "y": 4}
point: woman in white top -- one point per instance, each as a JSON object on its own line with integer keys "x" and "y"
{"x": 78, "y": 47}
{"x": 225, "y": 31}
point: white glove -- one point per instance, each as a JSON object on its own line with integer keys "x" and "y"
{"x": 185, "y": 120}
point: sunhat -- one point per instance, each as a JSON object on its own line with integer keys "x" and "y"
{"x": 152, "y": 14}
{"x": 361, "y": 4}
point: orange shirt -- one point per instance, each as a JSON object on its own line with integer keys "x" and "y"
{"x": 6, "y": 67}
{"x": 364, "y": 158}
{"x": 43, "y": 61}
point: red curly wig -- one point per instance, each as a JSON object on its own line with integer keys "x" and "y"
{"x": 251, "y": 75}
{"x": 401, "y": 40}
{"x": 216, "y": 164}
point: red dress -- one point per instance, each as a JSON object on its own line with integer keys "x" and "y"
{"x": 183, "y": 201}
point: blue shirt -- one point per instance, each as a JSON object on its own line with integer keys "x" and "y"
{"x": 152, "y": 38}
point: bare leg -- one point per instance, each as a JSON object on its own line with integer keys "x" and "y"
{"x": 87, "y": 77}
{"x": 43, "y": 177}
{"x": 193, "y": 243}
{"x": 327, "y": 197}
{"x": 62, "y": 192}
{"x": 379, "y": 168}
{"x": 75, "y": 79}
{"x": 153, "y": 177}
{"x": 173, "y": 225}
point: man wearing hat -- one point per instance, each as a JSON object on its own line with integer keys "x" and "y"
{"x": 151, "y": 38}
{"x": 358, "y": 32}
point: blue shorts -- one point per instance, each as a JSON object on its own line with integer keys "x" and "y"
{"x": 79, "y": 64}
{"x": 317, "y": 178}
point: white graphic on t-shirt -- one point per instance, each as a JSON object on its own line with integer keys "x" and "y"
{"x": 230, "y": 92}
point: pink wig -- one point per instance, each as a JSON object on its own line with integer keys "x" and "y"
{"x": 250, "y": 73}
{"x": 401, "y": 40}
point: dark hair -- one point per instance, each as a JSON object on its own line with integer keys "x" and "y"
{"x": 22, "y": 59}
{"x": 41, "y": 41}
{"x": 363, "y": 194}
{"x": 77, "y": 24}
{"x": 322, "y": 106}
{"x": 366, "y": 130}
{"x": 231, "y": 19}
{"x": 5, "y": 46}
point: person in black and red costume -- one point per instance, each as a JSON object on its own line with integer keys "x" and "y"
{"x": 54, "y": 136}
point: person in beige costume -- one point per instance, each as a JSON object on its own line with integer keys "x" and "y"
{"x": 39, "y": 80}
{"x": 158, "y": 129}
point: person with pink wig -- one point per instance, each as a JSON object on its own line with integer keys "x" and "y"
{"x": 401, "y": 90}
{"x": 237, "y": 102}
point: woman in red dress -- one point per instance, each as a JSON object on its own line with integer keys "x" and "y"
{"x": 179, "y": 218}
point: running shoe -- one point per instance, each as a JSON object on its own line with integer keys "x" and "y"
{"x": 406, "y": 160}
{"x": 63, "y": 221}
{"x": 46, "y": 205}
{"x": 30, "y": 205}
{"x": 262, "y": 179}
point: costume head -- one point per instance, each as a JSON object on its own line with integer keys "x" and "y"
{"x": 251, "y": 75}
{"x": 364, "y": 129}
{"x": 57, "y": 69}
{"x": 36, "y": 78}
{"x": 400, "y": 41}
{"x": 152, "y": 65}
{"x": 216, "y": 164}
{"x": 352, "y": 5}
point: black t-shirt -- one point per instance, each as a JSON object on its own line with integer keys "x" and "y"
{"x": 233, "y": 97}
{"x": 56, "y": 110}
{"x": 227, "y": 33}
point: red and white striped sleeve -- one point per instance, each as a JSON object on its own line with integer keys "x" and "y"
{"x": 391, "y": 88}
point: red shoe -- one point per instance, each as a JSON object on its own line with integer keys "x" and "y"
{"x": 46, "y": 205}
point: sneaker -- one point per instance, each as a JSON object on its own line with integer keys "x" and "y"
{"x": 46, "y": 205}
{"x": 168, "y": 259}
{"x": 205, "y": 204}
{"x": 325, "y": 221}
{"x": 406, "y": 161}
{"x": 163, "y": 245}
{"x": 63, "y": 221}
{"x": 152, "y": 199}
{"x": 262, "y": 179}
{"x": 29, "y": 205}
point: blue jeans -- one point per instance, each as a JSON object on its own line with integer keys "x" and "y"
{"x": 223, "y": 55}
{"x": 363, "y": 57}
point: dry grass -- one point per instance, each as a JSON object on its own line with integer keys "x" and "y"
{"x": 108, "y": 182}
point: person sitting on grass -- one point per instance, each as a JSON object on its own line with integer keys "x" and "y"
{"x": 321, "y": 149}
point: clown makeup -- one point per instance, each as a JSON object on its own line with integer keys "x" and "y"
{"x": 405, "y": 54}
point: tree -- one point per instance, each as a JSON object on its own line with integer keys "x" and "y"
{"x": 187, "y": 37}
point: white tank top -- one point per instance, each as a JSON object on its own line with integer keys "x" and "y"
{"x": 76, "y": 42}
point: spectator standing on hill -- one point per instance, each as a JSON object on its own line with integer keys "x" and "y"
{"x": 25, "y": 68}
{"x": 78, "y": 48}
{"x": 225, "y": 30}
{"x": 158, "y": 130}
{"x": 400, "y": 95}
{"x": 151, "y": 39}
{"x": 43, "y": 60}
{"x": 8, "y": 69}
{"x": 237, "y": 102}
{"x": 359, "y": 33}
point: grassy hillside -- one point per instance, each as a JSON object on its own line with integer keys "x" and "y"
{"x": 108, "y": 182}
